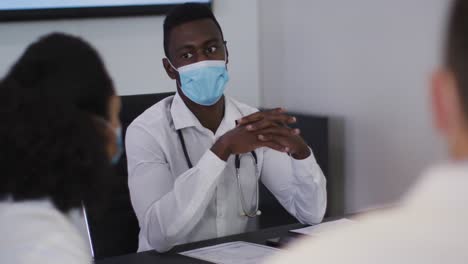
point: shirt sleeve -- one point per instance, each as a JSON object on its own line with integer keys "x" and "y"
{"x": 299, "y": 185}
{"x": 167, "y": 207}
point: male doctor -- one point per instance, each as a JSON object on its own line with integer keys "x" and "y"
{"x": 195, "y": 159}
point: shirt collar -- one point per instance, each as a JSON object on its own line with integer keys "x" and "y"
{"x": 181, "y": 114}
{"x": 183, "y": 117}
{"x": 231, "y": 114}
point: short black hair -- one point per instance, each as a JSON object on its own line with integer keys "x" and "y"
{"x": 185, "y": 13}
{"x": 457, "y": 48}
{"x": 53, "y": 144}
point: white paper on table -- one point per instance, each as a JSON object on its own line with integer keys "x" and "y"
{"x": 323, "y": 228}
{"x": 232, "y": 253}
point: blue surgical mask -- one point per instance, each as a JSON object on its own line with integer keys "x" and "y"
{"x": 204, "y": 82}
{"x": 119, "y": 143}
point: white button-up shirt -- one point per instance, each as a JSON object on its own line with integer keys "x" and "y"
{"x": 176, "y": 205}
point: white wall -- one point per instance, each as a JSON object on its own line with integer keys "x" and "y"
{"x": 366, "y": 62}
{"x": 132, "y": 47}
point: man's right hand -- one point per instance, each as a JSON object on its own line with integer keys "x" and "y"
{"x": 241, "y": 140}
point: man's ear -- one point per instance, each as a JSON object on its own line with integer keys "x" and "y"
{"x": 171, "y": 72}
{"x": 446, "y": 104}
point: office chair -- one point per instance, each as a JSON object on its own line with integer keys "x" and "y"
{"x": 114, "y": 231}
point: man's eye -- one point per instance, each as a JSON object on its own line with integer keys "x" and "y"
{"x": 187, "y": 55}
{"x": 212, "y": 49}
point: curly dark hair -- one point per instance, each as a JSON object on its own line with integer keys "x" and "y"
{"x": 52, "y": 144}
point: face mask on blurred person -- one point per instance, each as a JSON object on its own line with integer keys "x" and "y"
{"x": 119, "y": 142}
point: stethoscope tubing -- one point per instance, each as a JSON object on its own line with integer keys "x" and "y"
{"x": 237, "y": 159}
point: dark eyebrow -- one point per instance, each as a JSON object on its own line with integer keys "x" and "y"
{"x": 213, "y": 40}
{"x": 190, "y": 46}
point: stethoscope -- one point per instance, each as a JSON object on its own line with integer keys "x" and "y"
{"x": 256, "y": 212}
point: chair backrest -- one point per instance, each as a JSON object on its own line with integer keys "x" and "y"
{"x": 114, "y": 231}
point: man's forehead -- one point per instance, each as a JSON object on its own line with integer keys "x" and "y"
{"x": 194, "y": 31}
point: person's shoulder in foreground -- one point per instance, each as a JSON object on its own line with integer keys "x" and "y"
{"x": 431, "y": 224}
{"x": 429, "y": 227}
{"x": 46, "y": 236}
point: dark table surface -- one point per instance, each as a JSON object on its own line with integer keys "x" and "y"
{"x": 172, "y": 257}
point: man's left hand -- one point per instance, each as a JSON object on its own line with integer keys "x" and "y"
{"x": 271, "y": 126}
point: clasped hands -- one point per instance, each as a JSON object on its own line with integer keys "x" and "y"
{"x": 263, "y": 129}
